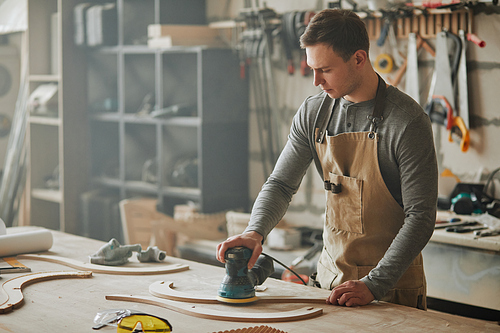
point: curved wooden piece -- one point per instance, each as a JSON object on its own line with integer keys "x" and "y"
{"x": 164, "y": 290}
{"x": 12, "y": 295}
{"x": 157, "y": 269}
{"x": 193, "y": 310}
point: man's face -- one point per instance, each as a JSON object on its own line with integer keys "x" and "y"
{"x": 334, "y": 76}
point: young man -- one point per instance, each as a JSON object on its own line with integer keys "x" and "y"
{"x": 374, "y": 149}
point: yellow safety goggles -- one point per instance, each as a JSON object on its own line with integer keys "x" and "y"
{"x": 127, "y": 321}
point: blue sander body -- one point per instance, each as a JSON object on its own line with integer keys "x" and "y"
{"x": 238, "y": 285}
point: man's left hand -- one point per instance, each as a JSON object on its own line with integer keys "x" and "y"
{"x": 350, "y": 293}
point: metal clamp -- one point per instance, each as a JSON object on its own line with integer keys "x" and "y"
{"x": 373, "y": 125}
{"x": 332, "y": 187}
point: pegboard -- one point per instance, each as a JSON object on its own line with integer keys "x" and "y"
{"x": 427, "y": 26}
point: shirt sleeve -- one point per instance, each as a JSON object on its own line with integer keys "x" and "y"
{"x": 419, "y": 176}
{"x": 277, "y": 192}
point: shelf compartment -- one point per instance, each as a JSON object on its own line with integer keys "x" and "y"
{"x": 183, "y": 12}
{"x": 44, "y": 100}
{"x": 140, "y": 157}
{"x": 42, "y": 36}
{"x": 102, "y": 84}
{"x": 135, "y": 26}
{"x": 180, "y": 82}
{"x": 105, "y": 150}
{"x": 180, "y": 156}
{"x": 223, "y": 92}
{"x": 139, "y": 83}
{"x": 44, "y": 154}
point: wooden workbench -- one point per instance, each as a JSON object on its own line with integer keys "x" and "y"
{"x": 69, "y": 305}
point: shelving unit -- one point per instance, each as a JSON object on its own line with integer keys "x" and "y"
{"x": 57, "y": 140}
{"x": 210, "y": 134}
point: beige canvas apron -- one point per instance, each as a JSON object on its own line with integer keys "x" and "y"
{"x": 362, "y": 217}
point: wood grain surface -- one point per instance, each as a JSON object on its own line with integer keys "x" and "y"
{"x": 70, "y": 305}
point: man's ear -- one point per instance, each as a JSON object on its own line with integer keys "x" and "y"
{"x": 360, "y": 57}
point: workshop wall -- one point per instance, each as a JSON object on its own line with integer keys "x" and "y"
{"x": 483, "y": 70}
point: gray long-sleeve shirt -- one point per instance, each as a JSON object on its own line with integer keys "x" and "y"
{"x": 407, "y": 162}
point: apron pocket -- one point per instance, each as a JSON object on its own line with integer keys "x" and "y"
{"x": 344, "y": 209}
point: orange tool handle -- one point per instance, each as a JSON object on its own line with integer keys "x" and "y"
{"x": 465, "y": 141}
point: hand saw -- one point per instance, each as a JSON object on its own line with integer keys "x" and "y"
{"x": 441, "y": 100}
{"x": 412, "y": 81}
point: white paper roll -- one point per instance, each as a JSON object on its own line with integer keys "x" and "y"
{"x": 25, "y": 242}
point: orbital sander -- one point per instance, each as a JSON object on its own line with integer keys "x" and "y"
{"x": 238, "y": 285}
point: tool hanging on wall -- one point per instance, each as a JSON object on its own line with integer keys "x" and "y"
{"x": 412, "y": 84}
{"x": 463, "y": 94}
{"x": 387, "y": 32}
{"x": 384, "y": 63}
{"x": 256, "y": 46}
{"x": 469, "y": 6}
{"x": 472, "y": 36}
{"x": 401, "y": 71}
{"x": 441, "y": 100}
{"x": 293, "y": 25}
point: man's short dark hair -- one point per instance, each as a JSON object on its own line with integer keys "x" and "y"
{"x": 341, "y": 29}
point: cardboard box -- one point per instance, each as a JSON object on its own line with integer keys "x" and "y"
{"x": 163, "y": 36}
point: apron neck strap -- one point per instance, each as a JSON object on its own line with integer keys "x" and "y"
{"x": 323, "y": 118}
{"x": 378, "y": 109}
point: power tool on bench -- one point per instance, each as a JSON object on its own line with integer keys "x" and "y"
{"x": 238, "y": 285}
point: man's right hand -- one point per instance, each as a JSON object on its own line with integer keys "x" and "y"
{"x": 251, "y": 239}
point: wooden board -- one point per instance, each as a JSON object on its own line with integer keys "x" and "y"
{"x": 164, "y": 290}
{"x": 12, "y": 296}
{"x": 230, "y": 315}
{"x": 125, "y": 270}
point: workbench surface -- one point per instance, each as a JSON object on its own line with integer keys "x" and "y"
{"x": 69, "y": 305}
{"x": 462, "y": 268}
{"x": 491, "y": 243}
